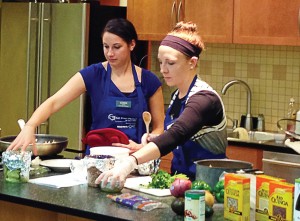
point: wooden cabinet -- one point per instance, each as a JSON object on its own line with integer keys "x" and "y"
{"x": 12, "y": 212}
{"x": 274, "y": 22}
{"x": 270, "y": 22}
{"x": 165, "y": 163}
{"x": 214, "y": 19}
{"x": 252, "y": 155}
{"x": 154, "y": 19}
{"x": 248, "y": 154}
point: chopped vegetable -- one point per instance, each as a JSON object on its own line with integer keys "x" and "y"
{"x": 163, "y": 180}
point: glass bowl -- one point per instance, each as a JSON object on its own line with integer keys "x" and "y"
{"x": 16, "y": 166}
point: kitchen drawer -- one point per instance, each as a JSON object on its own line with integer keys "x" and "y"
{"x": 282, "y": 165}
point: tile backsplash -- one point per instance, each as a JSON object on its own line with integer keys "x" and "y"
{"x": 272, "y": 73}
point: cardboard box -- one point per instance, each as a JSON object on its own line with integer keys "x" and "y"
{"x": 237, "y": 197}
{"x": 297, "y": 200}
{"x": 262, "y": 196}
{"x": 281, "y": 199}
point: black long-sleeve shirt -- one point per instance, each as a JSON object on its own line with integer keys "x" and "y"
{"x": 204, "y": 108}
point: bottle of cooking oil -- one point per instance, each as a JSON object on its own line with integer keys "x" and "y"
{"x": 291, "y": 114}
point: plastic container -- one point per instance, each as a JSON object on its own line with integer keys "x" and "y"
{"x": 297, "y": 127}
{"x": 261, "y": 122}
{"x": 291, "y": 114}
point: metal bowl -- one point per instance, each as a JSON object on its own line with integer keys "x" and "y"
{"x": 210, "y": 170}
{"x": 46, "y": 144}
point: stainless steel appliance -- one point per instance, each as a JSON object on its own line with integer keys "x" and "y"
{"x": 282, "y": 165}
{"x": 42, "y": 45}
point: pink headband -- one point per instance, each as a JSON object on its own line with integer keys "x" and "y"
{"x": 181, "y": 45}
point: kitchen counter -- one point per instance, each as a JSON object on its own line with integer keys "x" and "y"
{"x": 268, "y": 146}
{"x": 81, "y": 201}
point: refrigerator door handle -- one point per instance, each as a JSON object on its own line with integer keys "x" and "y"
{"x": 43, "y": 59}
{"x": 32, "y": 29}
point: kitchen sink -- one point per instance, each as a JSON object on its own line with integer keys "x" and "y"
{"x": 254, "y": 136}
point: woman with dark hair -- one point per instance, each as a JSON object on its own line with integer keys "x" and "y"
{"x": 195, "y": 122}
{"x": 119, "y": 91}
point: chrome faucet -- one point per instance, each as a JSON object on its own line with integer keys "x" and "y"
{"x": 248, "y": 123}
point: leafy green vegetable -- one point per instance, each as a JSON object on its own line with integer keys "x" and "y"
{"x": 163, "y": 180}
{"x": 12, "y": 175}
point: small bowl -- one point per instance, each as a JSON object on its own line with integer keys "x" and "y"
{"x": 279, "y": 138}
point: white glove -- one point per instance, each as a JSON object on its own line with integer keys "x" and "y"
{"x": 119, "y": 173}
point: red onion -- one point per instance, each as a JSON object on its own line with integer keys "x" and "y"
{"x": 179, "y": 186}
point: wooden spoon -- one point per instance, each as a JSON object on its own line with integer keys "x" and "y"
{"x": 147, "y": 120}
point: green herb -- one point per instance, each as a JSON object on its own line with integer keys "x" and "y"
{"x": 163, "y": 180}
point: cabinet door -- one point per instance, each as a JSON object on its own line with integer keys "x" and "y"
{"x": 247, "y": 154}
{"x": 166, "y": 162}
{"x": 214, "y": 19}
{"x": 152, "y": 19}
{"x": 273, "y": 22}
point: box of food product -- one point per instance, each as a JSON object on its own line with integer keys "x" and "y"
{"x": 236, "y": 197}
{"x": 281, "y": 199}
{"x": 297, "y": 200}
{"x": 262, "y": 196}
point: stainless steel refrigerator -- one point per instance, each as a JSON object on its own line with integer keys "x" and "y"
{"x": 41, "y": 46}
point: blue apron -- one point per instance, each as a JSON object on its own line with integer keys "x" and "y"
{"x": 185, "y": 155}
{"x": 119, "y": 111}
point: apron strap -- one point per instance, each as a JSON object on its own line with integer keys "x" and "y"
{"x": 140, "y": 94}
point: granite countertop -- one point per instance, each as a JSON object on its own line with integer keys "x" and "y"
{"x": 268, "y": 146}
{"x": 87, "y": 202}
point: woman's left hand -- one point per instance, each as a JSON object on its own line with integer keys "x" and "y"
{"x": 132, "y": 146}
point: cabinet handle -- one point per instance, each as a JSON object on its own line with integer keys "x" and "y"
{"x": 178, "y": 12}
{"x": 283, "y": 163}
{"x": 173, "y": 13}
{"x": 299, "y": 22}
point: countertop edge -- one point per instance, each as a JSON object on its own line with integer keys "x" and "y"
{"x": 56, "y": 208}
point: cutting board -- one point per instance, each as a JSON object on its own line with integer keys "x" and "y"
{"x": 134, "y": 183}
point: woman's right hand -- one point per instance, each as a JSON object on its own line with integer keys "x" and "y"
{"x": 24, "y": 139}
{"x": 118, "y": 174}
